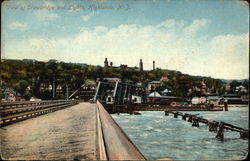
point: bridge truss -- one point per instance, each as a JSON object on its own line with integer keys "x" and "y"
{"x": 120, "y": 93}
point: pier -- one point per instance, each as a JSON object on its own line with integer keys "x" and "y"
{"x": 64, "y": 130}
{"x": 214, "y": 126}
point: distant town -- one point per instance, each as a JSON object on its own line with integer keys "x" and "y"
{"x": 29, "y": 79}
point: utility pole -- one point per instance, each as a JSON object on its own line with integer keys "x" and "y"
{"x": 67, "y": 92}
{"x": 54, "y": 84}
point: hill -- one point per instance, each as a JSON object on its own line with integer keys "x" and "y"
{"x": 33, "y": 74}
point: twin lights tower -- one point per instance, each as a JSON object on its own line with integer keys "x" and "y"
{"x": 106, "y": 64}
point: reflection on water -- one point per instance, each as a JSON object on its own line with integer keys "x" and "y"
{"x": 159, "y": 136}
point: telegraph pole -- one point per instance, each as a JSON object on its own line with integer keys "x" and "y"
{"x": 54, "y": 84}
{"x": 67, "y": 92}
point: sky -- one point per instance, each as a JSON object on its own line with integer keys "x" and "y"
{"x": 196, "y": 37}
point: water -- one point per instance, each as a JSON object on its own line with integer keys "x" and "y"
{"x": 158, "y": 136}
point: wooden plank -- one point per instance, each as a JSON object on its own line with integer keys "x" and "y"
{"x": 101, "y": 151}
{"x": 118, "y": 144}
{"x": 239, "y": 128}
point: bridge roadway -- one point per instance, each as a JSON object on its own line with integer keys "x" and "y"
{"x": 81, "y": 132}
{"x": 65, "y": 134}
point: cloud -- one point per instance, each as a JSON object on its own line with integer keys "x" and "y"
{"x": 171, "y": 24}
{"x": 16, "y": 25}
{"x": 167, "y": 43}
{"x": 196, "y": 26}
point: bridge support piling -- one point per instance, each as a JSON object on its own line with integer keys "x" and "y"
{"x": 212, "y": 126}
{"x": 175, "y": 115}
{"x": 220, "y": 134}
{"x": 190, "y": 118}
{"x": 184, "y": 116}
{"x": 195, "y": 122}
{"x": 225, "y": 106}
{"x": 244, "y": 135}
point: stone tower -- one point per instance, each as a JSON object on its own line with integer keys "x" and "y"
{"x": 106, "y": 63}
{"x": 141, "y": 65}
{"x": 153, "y": 65}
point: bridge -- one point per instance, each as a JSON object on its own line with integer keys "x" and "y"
{"x": 64, "y": 130}
{"x": 121, "y": 97}
{"x": 214, "y": 126}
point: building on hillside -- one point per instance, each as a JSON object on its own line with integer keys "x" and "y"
{"x": 199, "y": 100}
{"x": 123, "y": 66}
{"x": 106, "y": 65}
{"x": 85, "y": 92}
{"x": 245, "y": 98}
{"x": 109, "y": 79}
{"x": 214, "y": 100}
{"x": 156, "y": 98}
{"x": 59, "y": 90}
{"x": 10, "y": 95}
{"x": 44, "y": 87}
{"x": 241, "y": 89}
{"x": 227, "y": 87}
{"x": 164, "y": 78}
{"x": 203, "y": 87}
{"x": 154, "y": 94}
{"x": 112, "y": 79}
{"x": 166, "y": 92}
{"x": 153, "y": 85}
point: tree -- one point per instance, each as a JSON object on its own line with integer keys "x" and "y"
{"x": 21, "y": 86}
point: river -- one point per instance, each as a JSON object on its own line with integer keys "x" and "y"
{"x": 158, "y": 136}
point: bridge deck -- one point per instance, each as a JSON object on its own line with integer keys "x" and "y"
{"x": 65, "y": 134}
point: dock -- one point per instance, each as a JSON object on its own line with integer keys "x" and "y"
{"x": 82, "y": 131}
{"x": 214, "y": 126}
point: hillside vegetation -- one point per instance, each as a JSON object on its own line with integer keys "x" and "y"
{"x": 20, "y": 74}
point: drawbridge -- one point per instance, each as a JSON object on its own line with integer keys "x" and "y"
{"x": 118, "y": 93}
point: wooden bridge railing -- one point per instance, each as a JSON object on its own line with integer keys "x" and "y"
{"x": 118, "y": 146}
{"x": 11, "y": 112}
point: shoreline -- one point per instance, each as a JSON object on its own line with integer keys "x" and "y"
{"x": 235, "y": 105}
